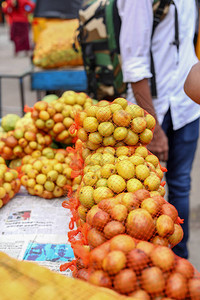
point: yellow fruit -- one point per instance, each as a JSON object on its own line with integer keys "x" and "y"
{"x": 101, "y": 182}
{"x": 136, "y": 159}
{"x": 142, "y": 172}
{"x": 116, "y": 183}
{"x": 146, "y": 136}
{"x": 95, "y": 138}
{"x": 142, "y": 151}
{"x": 101, "y": 193}
{"x": 61, "y": 181}
{"x": 109, "y": 141}
{"x": 41, "y": 178}
{"x": 91, "y": 145}
{"x": 121, "y": 118}
{"x": 90, "y": 179}
{"x": 2, "y": 192}
{"x": 122, "y": 151}
{"x": 38, "y": 188}
{"x": 107, "y": 170}
{"x": 138, "y": 124}
{"x": 121, "y": 101}
{"x": 120, "y": 133}
{"x": 152, "y": 182}
{"x": 151, "y": 122}
{"x": 95, "y": 159}
{"x": 133, "y": 185}
{"x": 103, "y": 114}
{"x": 106, "y": 128}
{"x": 82, "y": 212}
{"x": 90, "y": 124}
{"x": 86, "y": 196}
{"x": 125, "y": 169}
{"x": 107, "y": 158}
{"x": 152, "y": 159}
{"x": 135, "y": 110}
{"x": 132, "y": 138}
{"x": 91, "y": 110}
{"x": 114, "y": 107}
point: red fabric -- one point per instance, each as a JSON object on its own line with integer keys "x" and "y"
{"x": 20, "y": 36}
{"x": 19, "y": 14}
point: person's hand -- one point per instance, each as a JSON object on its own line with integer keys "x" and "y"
{"x": 159, "y": 144}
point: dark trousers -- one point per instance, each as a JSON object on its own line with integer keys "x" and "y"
{"x": 182, "y": 147}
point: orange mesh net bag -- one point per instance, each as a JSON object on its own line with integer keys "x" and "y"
{"x": 23, "y": 141}
{"x": 138, "y": 214}
{"x": 114, "y": 123}
{"x": 110, "y": 171}
{"x": 138, "y": 269}
{"x": 58, "y": 116}
{"x": 49, "y": 174}
{"x": 9, "y": 183}
{"x": 125, "y": 228}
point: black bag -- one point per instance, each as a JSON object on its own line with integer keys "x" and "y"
{"x": 99, "y": 39}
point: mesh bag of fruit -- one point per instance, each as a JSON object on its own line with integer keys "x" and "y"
{"x": 138, "y": 269}
{"x": 114, "y": 123}
{"x": 109, "y": 171}
{"x": 139, "y": 214}
{"x": 21, "y": 280}
{"x": 9, "y": 183}
{"x": 48, "y": 173}
{"x": 54, "y": 47}
{"x": 57, "y": 117}
{"x": 23, "y": 141}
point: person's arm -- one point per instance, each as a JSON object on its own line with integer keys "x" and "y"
{"x": 192, "y": 83}
{"x": 135, "y": 43}
{"x": 159, "y": 143}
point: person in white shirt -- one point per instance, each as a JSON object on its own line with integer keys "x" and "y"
{"x": 177, "y": 129}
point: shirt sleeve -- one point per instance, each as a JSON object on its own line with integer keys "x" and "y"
{"x": 135, "y": 38}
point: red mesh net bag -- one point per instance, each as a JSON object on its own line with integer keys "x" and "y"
{"x": 138, "y": 269}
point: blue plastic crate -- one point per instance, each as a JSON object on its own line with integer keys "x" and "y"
{"x": 48, "y": 80}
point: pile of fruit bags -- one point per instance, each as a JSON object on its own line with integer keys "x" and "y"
{"x": 125, "y": 228}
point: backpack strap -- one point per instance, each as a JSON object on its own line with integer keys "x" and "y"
{"x": 160, "y": 13}
{"x": 158, "y": 16}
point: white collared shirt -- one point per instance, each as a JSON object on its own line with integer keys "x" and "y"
{"x": 171, "y": 68}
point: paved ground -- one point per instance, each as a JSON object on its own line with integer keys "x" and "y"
{"x": 11, "y": 104}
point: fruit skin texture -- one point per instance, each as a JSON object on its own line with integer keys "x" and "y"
{"x": 122, "y": 242}
{"x": 152, "y": 280}
{"x": 164, "y": 225}
{"x": 140, "y": 224}
{"x": 116, "y": 183}
{"x": 100, "y": 278}
{"x": 176, "y": 286}
{"x": 163, "y": 258}
{"x": 194, "y": 288}
{"x": 114, "y": 262}
{"x": 125, "y": 169}
{"x": 125, "y": 281}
